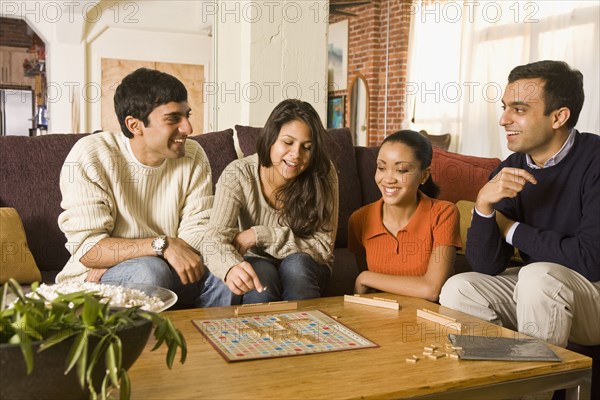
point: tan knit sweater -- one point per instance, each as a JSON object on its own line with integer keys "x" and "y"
{"x": 240, "y": 205}
{"x": 108, "y": 193}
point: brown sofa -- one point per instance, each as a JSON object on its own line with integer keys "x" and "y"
{"x": 31, "y": 167}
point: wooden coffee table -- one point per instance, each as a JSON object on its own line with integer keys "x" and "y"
{"x": 365, "y": 373}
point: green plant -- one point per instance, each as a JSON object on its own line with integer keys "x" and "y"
{"x": 80, "y": 315}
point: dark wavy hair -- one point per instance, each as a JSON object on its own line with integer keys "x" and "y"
{"x": 308, "y": 199}
{"x": 563, "y": 86}
{"x": 142, "y": 91}
{"x": 423, "y": 152}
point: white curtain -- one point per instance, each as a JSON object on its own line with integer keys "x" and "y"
{"x": 461, "y": 53}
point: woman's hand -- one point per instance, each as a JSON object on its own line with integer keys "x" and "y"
{"x": 242, "y": 278}
{"x": 244, "y": 240}
{"x": 359, "y": 286}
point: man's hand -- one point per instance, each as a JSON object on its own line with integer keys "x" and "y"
{"x": 184, "y": 259}
{"x": 506, "y": 184}
{"x": 244, "y": 240}
{"x": 504, "y": 223}
{"x": 242, "y": 278}
{"x": 95, "y": 274}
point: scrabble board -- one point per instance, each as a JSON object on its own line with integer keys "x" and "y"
{"x": 259, "y": 336}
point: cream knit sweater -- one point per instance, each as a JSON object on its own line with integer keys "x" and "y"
{"x": 240, "y": 204}
{"x": 108, "y": 193}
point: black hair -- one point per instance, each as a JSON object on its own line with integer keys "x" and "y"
{"x": 563, "y": 86}
{"x": 423, "y": 152}
{"x": 142, "y": 91}
{"x": 308, "y": 199}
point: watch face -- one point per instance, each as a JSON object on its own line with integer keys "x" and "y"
{"x": 158, "y": 244}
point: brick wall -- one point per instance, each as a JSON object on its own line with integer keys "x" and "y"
{"x": 367, "y": 38}
{"x": 13, "y": 33}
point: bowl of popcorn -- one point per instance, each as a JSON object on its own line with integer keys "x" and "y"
{"x": 118, "y": 295}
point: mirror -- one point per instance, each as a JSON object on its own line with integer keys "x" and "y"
{"x": 359, "y": 111}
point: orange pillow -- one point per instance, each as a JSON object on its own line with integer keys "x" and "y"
{"x": 16, "y": 260}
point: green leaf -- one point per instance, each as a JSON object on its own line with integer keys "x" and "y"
{"x": 118, "y": 351}
{"x": 27, "y": 351}
{"x": 81, "y": 365}
{"x": 16, "y": 289}
{"x": 91, "y": 311}
{"x": 125, "y": 392}
{"x": 171, "y": 354}
{"x": 3, "y": 296}
{"x": 183, "y": 349}
{"x": 78, "y": 346}
{"x": 98, "y": 350}
{"x": 111, "y": 365}
{"x": 160, "y": 334}
{"x": 104, "y": 392}
{"x": 174, "y": 333}
{"x": 58, "y": 337}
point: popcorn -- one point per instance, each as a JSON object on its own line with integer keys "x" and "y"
{"x": 117, "y": 296}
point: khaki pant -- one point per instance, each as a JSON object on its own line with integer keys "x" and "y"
{"x": 543, "y": 300}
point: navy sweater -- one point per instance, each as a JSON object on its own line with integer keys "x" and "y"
{"x": 559, "y": 216}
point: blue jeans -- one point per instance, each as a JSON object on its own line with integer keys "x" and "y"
{"x": 296, "y": 277}
{"x": 209, "y": 291}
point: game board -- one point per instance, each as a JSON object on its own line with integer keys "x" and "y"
{"x": 258, "y": 336}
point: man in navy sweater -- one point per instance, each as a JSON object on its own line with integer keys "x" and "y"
{"x": 544, "y": 200}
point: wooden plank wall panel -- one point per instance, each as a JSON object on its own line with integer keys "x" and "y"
{"x": 192, "y": 77}
{"x": 114, "y": 70}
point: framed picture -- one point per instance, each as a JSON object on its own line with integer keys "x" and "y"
{"x": 337, "y": 56}
{"x": 335, "y": 111}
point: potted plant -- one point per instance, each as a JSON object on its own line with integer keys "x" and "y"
{"x": 95, "y": 343}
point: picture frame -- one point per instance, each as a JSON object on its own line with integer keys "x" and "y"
{"x": 336, "y": 111}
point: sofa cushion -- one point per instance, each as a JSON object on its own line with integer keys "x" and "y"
{"x": 220, "y": 150}
{"x": 366, "y": 157}
{"x": 29, "y": 182}
{"x": 343, "y": 274}
{"x": 341, "y": 150}
{"x": 465, "y": 209}
{"x": 460, "y": 177}
{"x": 247, "y": 136}
{"x": 17, "y": 261}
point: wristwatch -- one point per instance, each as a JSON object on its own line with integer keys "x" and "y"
{"x": 159, "y": 244}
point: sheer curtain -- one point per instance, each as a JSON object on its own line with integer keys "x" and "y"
{"x": 462, "y": 52}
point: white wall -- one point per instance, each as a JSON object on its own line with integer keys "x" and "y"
{"x": 266, "y": 51}
{"x": 79, "y": 33}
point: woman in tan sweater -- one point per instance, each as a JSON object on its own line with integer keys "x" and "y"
{"x": 272, "y": 228}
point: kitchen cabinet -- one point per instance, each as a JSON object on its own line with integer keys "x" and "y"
{"x": 11, "y": 67}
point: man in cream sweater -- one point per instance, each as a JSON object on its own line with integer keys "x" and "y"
{"x": 135, "y": 203}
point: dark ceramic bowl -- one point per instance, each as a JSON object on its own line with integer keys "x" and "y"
{"x": 47, "y": 380}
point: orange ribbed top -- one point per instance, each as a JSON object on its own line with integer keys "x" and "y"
{"x": 434, "y": 223}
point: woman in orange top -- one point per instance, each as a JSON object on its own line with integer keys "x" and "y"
{"x": 405, "y": 242}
